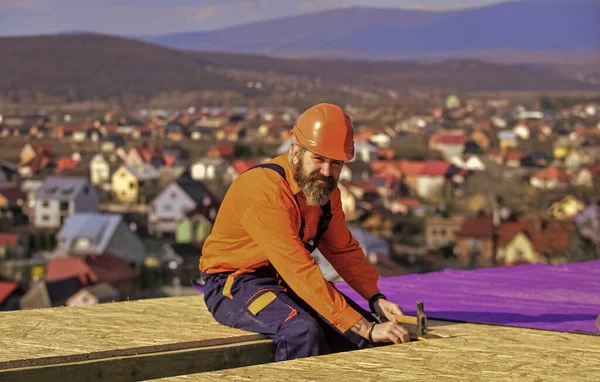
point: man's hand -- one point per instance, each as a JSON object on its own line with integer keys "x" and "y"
{"x": 390, "y": 332}
{"x": 387, "y": 310}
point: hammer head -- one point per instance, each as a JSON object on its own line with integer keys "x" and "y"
{"x": 421, "y": 319}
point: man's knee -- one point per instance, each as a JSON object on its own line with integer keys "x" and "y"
{"x": 302, "y": 329}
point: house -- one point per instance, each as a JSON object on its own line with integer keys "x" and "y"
{"x": 45, "y": 294}
{"x": 181, "y": 262}
{"x": 101, "y": 169}
{"x": 94, "y": 269}
{"x": 405, "y": 206}
{"x": 140, "y": 156}
{"x": 170, "y": 206}
{"x": 9, "y": 299}
{"x": 94, "y": 294}
{"x": 441, "y": 231}
{"x": 133, "y": 184}
{"x": 95, "y": 234}
{"x": 577, "y": 160}
{"x": 481, "y": 139}
{"x": 355, "y": 171}
{"x": 68, "y": 163}
{"x": 365, "y": 152}
{"x": 507, "y": 139}
{"x": 59, "y": 198}
{"x": 513, "y": 159}
{"x": 237, "y": 168}
{"x": 224, "y": 152}
{"x": 12, "y": 196}
{"x": 41, "y": 164}
{"x": 469, "y": 162}
{"x": 432, "y": 180}
{"x": 535, "y": 159}
{"x": 196, "y": 225}
{"x": 357, "y": 195}
{"x": 449, "y": 144}
{"x": 349, "y": 201}
{"x": 564, "y": 146}
{"x": 566, "y": 208}
{"x": 519, "y": 243}
{"x": 586, "y": 176}
{"x": 208, "y": 168}
{"x": 30, "y": 187}
{"x": 474, "y": 241}
{"x": 8, "y": 175}
{"x": 11, "y": 246}
{"x": 550, "y": 178}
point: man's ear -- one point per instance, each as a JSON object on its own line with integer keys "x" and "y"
{"x": 294, "y": 154}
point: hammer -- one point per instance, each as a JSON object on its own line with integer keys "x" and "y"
{"x": 420, "y": 319}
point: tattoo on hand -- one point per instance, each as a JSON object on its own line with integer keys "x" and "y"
{"x": 358, "y": 326}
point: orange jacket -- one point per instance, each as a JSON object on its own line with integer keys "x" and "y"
{"x": 258, "y": 224}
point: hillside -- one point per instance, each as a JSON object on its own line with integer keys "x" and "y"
{"x": 91, "y": 66}
{"x": 97, "y": 67}
{"x": 498, "y": 32}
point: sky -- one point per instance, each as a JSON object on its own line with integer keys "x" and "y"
{"x": 156, "y": 17}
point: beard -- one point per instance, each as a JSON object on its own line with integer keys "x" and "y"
{"x": 316, "y": 186}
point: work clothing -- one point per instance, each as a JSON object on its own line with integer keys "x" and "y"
{"x": 263, "y": 303}
{"x": 257, "y": 225}
{"x": 326, "y": 130}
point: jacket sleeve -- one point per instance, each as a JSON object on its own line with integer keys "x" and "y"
{"x": 272, "y": 225}
{"x": 344, "y": 253}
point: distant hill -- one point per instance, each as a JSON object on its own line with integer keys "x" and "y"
{"x": 512, "y": 31}
{"x": 87, "y": 67}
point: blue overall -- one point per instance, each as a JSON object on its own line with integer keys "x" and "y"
{"x": 297, "y": 329}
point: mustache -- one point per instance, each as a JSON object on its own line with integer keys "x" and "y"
{"x": 318, "y": 176}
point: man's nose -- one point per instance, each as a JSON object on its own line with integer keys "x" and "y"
{"x": 326, "y": 169}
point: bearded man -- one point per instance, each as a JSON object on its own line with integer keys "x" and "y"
{"x": 257, "y": 266}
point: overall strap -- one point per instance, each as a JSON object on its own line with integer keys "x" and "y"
{"x": 323, "y": 220}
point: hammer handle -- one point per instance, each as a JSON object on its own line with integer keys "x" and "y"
{"x": 402, "y": 319}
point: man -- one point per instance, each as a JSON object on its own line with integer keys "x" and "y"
{"x": 258, "y": 271}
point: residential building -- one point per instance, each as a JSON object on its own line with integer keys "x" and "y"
{"x": 95, "y": 234}
{"x": 134, "y": 184}
{"x": 59, "y": 198}
{"x": 169, "y": 207}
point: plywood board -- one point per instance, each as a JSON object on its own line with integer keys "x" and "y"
{"x": 466, "y": 352}
{"x": 148, "y": 366}
{"x": 59, "y": 335}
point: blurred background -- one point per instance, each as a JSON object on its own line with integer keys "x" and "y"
{"x": 123, "y": 123}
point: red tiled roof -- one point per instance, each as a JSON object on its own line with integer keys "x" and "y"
{"x": 449, "y": 139}
{"x": 109, "y": 268}
{"x": 552, "y": 173}
{"x": 6, "y": 289}
{"x": 13, "y": 194}
{"x": 594, "y": 169}
{"x": 477, "y": 226}
{"x": 508, "y": 230}
{"x": 435, "y": 168}
{"x": 411, "y": 169}
{"x": 38, "y": 163}
{"x": 408, "y": 202}
{"x": 514, "y": 155}
{"x": 7, "y": 239}
{"x": 66, "y": 163}
{"x": 66, "y": 267}
{"x": 240, "y": 166}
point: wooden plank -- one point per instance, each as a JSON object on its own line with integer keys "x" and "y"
{"x": 463, "y": 352}
{"x": 149, "y": 366}
{"x": 61, "y": 335}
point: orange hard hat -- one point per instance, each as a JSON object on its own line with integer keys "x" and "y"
{"x": 326, "y": 130}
